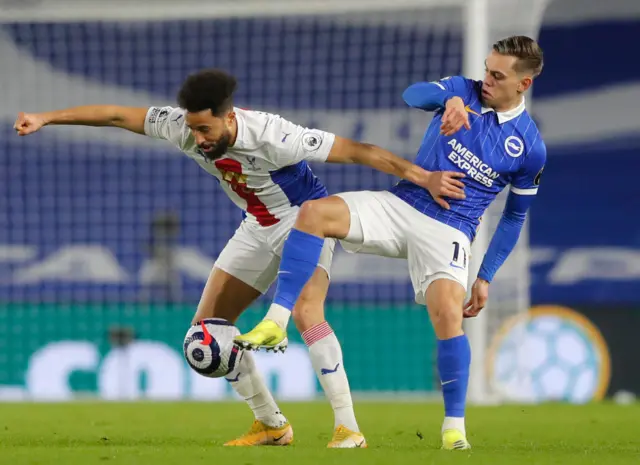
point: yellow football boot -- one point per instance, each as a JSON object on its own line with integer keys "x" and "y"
{"x": 344, "y": 438}
{"x": 264, "y": 435}
{"x": 266, "y": 335}
{"x": 453, "y": 439}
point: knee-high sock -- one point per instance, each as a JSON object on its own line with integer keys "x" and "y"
{"x": 326, "y": 358}
{"x": 454, "y": 359}
{"x": 300, "y": 257}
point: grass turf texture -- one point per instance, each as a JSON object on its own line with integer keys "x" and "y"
{"x": 193, "y": 433}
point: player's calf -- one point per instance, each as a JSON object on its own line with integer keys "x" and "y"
{"x": 444, "y": 299}
{"x": 309, "y": 308}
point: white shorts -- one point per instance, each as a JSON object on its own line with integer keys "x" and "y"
{"x": 383, "y": 224}
{"x": 253, "y": 253}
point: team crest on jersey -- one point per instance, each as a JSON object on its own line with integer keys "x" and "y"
{"x": 514, "y": 146}
{"x": 252, "y": 163}
{"x": 311, "y": 141}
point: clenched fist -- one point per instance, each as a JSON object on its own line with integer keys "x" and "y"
{"x": 28, "y": 123}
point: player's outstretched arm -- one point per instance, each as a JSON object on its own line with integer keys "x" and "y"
{"x": 129, "y": 118}
{"x": 439, "y": 183}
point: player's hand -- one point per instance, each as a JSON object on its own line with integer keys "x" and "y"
{"x": 479, "y": 296}
{"x": 28, "y": 123}
{"x": 445, "y": 184}
{"x": 454, "y": 117}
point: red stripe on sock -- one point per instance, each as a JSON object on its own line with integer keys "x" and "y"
{"x": 316, "y": 333}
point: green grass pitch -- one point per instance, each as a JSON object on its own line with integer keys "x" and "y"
{"x": 401, "y": 433}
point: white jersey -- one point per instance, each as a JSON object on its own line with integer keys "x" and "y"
{"x": 265, "y": 173}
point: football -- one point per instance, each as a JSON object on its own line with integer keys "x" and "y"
{"x": 209, "y": 348}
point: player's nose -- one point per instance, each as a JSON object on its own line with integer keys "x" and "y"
{"x": 199, "y": 138}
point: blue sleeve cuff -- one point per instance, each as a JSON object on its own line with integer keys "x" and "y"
{"x": 426, "y": 95}
{"x": 506, "y": 235}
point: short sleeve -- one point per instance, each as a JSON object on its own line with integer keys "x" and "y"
{"x": 527, "y": 179}
{"x": 167, "y": 123}
{"x": 291, "y": 143}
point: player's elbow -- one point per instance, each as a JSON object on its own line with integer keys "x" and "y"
{"x": 514, "y": 218}
{"x": 424, "y": 95}
{"x": 411, "y": 95}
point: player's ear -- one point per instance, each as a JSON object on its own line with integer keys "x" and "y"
{"x": 524, "y": 84}
{"x": 230, "y": 117}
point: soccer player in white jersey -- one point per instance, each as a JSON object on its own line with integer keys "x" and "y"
{"x": 260, "y": 160}
{"x": 499, "y": 145}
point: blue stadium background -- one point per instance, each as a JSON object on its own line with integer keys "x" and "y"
{"x": 54, "y": 193}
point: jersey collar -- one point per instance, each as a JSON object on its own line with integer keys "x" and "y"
{"x": 504, "y": 116}
{"x": 241, "y": 136}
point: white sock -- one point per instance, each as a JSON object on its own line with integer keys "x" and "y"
{"x": 326, "y": 358}
{"x": 454, "y": 423}
{"x": 247, "y": 381}
{"x": 279, "y": 314}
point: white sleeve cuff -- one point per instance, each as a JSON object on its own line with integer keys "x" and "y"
{"x": 532, "y": 191}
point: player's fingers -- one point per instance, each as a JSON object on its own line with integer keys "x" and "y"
{"x": 445, "y": 126}
{"x": 452, "y": 191}
{"x": 443, "y": 203}
{"x": 469, "y": 313}
{"x": 457, "y": 187}
{"x": 454, "y": 174}
{"x": 456, "y": 125}
{"x": 455, "y": 183}
{"x": 466, "y": 122}
{"x": 451, "y": 129}
{"x": 454, "y": 195}
{"x": 476, "y": 301}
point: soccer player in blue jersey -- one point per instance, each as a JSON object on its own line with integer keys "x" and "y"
{"x": 480, "y": 129}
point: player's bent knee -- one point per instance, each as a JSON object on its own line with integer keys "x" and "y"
{"x": 328, "y": 217}
{"x": 311, "y": 213}
{"x": 446, "y": 321}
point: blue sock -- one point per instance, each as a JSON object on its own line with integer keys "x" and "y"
{"x": 300, "y": 257}
{"x": 454, "y": 359}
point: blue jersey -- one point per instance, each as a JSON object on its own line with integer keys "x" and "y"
{"x": 499, "y": 149}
